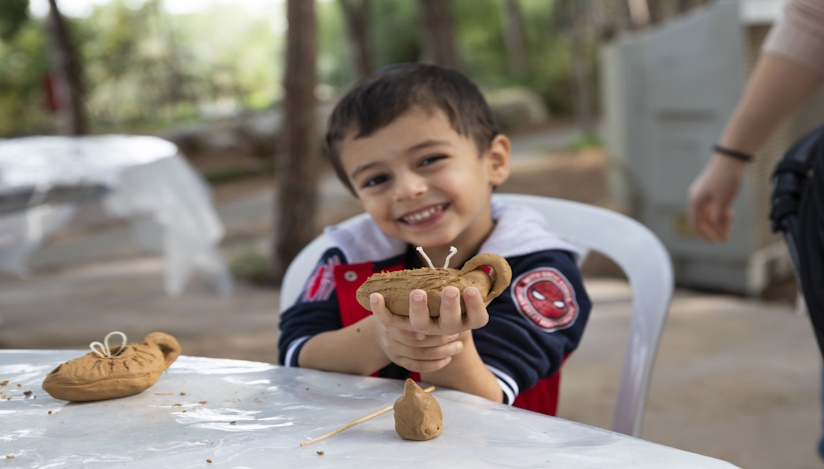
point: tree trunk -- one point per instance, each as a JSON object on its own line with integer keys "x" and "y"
{"x": 514, "y": 39}
{"x": 657, "y": 11}
{"x": 294, "y": 217}
{"x": 687, "y": 5}
{"x": 437, "y": 37}
{"x": 662, "y": 10}
{"x": 616, "y": 18}
{"x": 639, "y": 11}
{"x": 357, "y": 27}
{"x": 576, "y": 12}
{"x": 65, "y": 69}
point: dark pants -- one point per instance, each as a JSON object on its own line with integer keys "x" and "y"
{"x": 810, "y": 239}
{"x": 811, "y": 244}
{"x": 798, "y": 211}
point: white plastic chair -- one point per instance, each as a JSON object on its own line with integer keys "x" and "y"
{"x": 631, "y": 245}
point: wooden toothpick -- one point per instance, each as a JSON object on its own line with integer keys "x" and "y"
{"x": 362, "y": 419}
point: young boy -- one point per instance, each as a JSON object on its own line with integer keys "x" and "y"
{"x": 418, "y": 146}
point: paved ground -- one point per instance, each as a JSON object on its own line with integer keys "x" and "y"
{"x": 735, "y": 378}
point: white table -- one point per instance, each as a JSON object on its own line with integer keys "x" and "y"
{"x": 249, "y": 414}
{"x": 45, "y": 180}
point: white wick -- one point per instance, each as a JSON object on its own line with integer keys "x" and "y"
{"x": 103, "y": 350}
{"x": 452, "y": 251}
{"x": 420, "y": 250}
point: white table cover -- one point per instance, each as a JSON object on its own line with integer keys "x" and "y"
{"x": 148, "y": 182}
{"x": 212, "y": 412}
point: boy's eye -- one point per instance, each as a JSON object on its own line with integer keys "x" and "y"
{"x": 431, "y": 159}
{"x": 375, "y": 180}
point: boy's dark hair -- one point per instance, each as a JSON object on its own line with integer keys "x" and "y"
{"x": 380, "y": 98}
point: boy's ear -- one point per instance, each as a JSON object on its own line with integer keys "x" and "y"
{"x": 499, "y": 155}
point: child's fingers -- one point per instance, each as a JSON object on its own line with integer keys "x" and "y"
{"x": 386, "y": 317}
{"x": 427, "y": 359}
{"x": 450, "y": 320}
{"x": 476, "y": 314}
{"x": 419, "y": 318}
{"x": 419, "y": 366}
{"x": 417, "y": 339}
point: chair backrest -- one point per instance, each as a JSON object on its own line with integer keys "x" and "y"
{"x": 631, "y": 245}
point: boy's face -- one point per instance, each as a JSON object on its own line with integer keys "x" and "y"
{"x": 424, "y": 183}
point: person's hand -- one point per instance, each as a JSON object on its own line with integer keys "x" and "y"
{"x": 711, "y": 195}
{"x": 422, "y": 343}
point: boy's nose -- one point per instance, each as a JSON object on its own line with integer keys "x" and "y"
{"x": 409, "y": 187}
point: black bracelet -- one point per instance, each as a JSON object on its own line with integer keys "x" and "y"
{"x": 739, "y": 155}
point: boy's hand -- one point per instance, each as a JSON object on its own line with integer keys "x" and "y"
{"x": 423, "y": 355}
{"x": 422, "y": 343}
{"x": 450, "y": 321}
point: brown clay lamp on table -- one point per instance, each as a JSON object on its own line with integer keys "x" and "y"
{"x": 107, "y": 373}
{"x": 396, "y": 286}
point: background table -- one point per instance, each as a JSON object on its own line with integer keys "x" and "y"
{"x": 45, "y": 180}
{"x": 238, "y": 413}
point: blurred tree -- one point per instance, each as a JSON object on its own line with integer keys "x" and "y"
{"x": 662, "y": 10}
{"x": 145, "y": 69}
{"x": 436, "y": 33}
{"x": 395, "y": 32}
{"x": 479, "y": 31}
{"x": 148, "y": 68}
{"x": 13, "y": 14}
{"x": 614, "y": 18}
{"x": 514, "y": 39}
{"x": 577, "y": 14}
{"x": 356, "y": 13}
{"x": 66, "y": 75}
{"x": 337, "y": 63}
{"x": 658, "y": 10}
{"x": 23, "y": 105}
{"x": 294, "y": 217}
{"x": 639, "y": 13}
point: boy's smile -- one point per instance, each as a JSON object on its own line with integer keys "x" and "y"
{"x": 424, "y": 183}
{"x": 424, "y": 217}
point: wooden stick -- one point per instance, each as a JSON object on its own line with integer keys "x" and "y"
{"x": 362, "y": 419}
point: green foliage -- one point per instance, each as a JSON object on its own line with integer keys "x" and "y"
{"x": 393, "y": 39}
{"x": 13, "y": 15}
{"x": 480, "y": 26}
{"x": 394, "y": 31}
{"x": 250, "y": 265}
{"x": 230, "y": 174}
{"x": 145, "y": 65}
{"x": 23, "y": 105}
{"x": 586, "y": 142}
{"x": 479, "y": 33}
{"x": 335, "y": 63}
{"x": 145, "y": 69}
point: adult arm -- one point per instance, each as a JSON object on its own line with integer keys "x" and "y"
{"x": 784, "y": 77}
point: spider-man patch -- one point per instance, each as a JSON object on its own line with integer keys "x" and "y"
{"x": 546, "y": 298}
{"x": 322, "y": 282}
